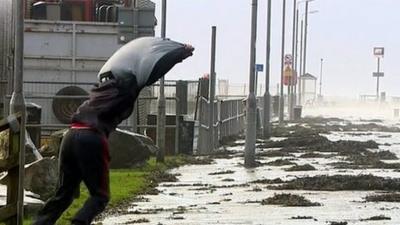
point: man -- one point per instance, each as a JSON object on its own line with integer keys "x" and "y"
{"x": 84, "y": 152}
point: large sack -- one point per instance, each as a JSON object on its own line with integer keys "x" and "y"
{"x": 144, "y": 60}
{"x": 129, "y": 149}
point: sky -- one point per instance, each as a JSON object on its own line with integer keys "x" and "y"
{"x": 342, "y": 32}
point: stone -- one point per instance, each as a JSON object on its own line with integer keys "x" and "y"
{"x": 129, "y": 149}
{"x": 31, "y": 152}
{"x": 41, "y": 177}
{"x": 53, "y": 146}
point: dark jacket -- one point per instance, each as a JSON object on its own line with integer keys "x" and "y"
{"x": 112, "y": 101}
{"x": 108, "y": 106}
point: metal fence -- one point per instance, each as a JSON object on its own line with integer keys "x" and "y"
{"x": 231, "y": 117}
{"x": 59, "y": 100}
{"x": 228, "y": 121}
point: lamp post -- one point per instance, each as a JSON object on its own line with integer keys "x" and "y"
{"x": 250, "y": 145}
{"x": 161, "y": 97}
{"x": 291, "y": 80}
{"x": 320, "y": 80}
{"x": 303, "y": 45}
{"x": 267, "y": 96}
{"x": 281, "y": 98}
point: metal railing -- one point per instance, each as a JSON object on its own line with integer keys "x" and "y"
{"x": 228, "y": 121}
{"x": 44, "y": 93}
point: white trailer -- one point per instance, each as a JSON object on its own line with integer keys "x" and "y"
{"x": 62, "y": 58}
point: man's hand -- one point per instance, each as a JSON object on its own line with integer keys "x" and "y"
{"x": 188, "y": 51}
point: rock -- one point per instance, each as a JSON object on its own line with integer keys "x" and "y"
{"x": 129, "y": 149}
{"x": 31, "y": 152}
{"x": 4, "y": 144}
{"x": 41, "y": 177}
{"x": 54, "y": 143}
{"x": 32, "y": 209}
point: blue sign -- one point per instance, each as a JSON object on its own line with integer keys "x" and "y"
{"x": 259, "y": 67}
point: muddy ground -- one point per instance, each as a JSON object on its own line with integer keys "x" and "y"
{"x": 319, "y": 171}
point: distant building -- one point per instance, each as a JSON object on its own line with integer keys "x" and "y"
{"x": 308, "y": 88}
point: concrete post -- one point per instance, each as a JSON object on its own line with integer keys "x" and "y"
{"x": 134, "y": 117}
{"x": 301, "y": 63}
{"x": 267, "y": 95}
{"x": 177, "y": 123}
{"x": 281, "y": 99}
{"x": 305, "y": 40}
{"x": 377, "y": 78}
{"x": 161, "y": 97}
{"x": 250, "y": 146}
{"x": 182, "y": 94}
{"x": 320, "y": 79}
{"x": 296, "y": 58}
{"x": 211, "y": 95}
{"x": 292, "y": 84}
{"x": 17, "y": 104}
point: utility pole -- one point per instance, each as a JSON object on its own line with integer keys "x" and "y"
{"x": 320, "y": 79}
{"x": 281, "y": 99}
{"x": 291, "y": 80}
{"x": 267, "y": 96}
{"x": 17, "y": 103}
{"x": 251, "y": 127}
{"x": 212, "y": 90}
{"x": 377, "y": 79}
{"x": 305, "y": 40}
{"x": 296, "y": 58}
{"x": 161, "y": 97}
{"x": 301, "y": 61}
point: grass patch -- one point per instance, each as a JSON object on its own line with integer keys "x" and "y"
{"x": 125, "y": 185}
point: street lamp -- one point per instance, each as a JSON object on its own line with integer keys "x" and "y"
{"x": 281, "y": 102}
{"x": 320, "y": 81}
{"x": 303, "y": 46}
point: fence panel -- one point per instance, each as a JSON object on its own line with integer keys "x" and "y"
{"x": 228, "y": 121}
{"x": 10, "y": 161}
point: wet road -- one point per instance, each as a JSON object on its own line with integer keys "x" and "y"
{"x": 221, "y": 193}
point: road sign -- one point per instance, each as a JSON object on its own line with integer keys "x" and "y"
{"x": 380, "y": 74}
{"x": 259, "y": 67}
{"x": 288, "y": 59}
{"x": 379, "y": 51}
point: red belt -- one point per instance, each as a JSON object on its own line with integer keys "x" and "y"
{"x": 80, "y": 126}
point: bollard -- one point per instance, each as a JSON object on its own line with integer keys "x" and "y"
{"x": 275, "y": 105}
{"x": 396, "y": 113}
{"x": 297, "y": 112}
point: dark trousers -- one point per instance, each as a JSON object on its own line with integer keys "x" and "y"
{"x": 84, "y": 157}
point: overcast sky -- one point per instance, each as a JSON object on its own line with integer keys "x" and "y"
{"x": 343, "y": 32}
